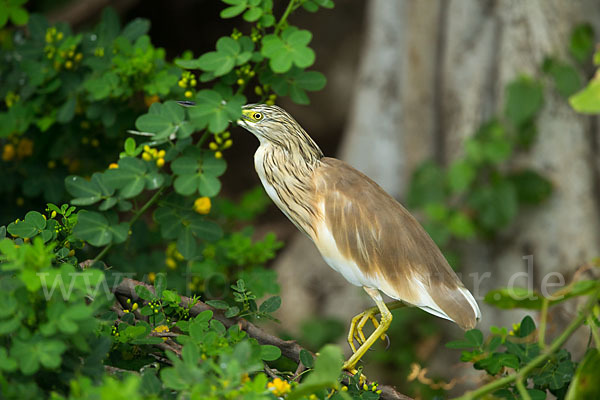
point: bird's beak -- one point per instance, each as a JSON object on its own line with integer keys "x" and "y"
{"x": 245, "y": 117}
{"x": 186, "y": 103}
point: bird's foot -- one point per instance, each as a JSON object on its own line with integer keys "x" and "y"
{"x": 357, "y": 325}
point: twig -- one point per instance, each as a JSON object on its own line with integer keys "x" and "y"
{"x": 289, "y": 348}
{"x": 553, "y": 348}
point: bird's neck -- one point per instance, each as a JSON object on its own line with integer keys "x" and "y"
{"x": 288, "y": 180}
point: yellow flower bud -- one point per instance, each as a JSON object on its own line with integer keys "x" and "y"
{"x": 95, "y": 142}
{"x": 240, "y": 82}
{"x": 51, "y": 164}
{"x": 218, "y": 154}
{"x": 134, "y": 307}
{"x": 53, "y": 215}
{"x": 59, "y": 36}
{"x": 151, "y": 276}
{"x": 188, "y": 94}
{"x": 171, "y": 263}
{"x": 202, "y": 205}
{"x": 147, "y": 148}
{"x": 146, "y": 156}
{"x": 78, "y": 57}
{"x": 160, "y": 162}
{"x": 213, "y": 146}
{"x": 161, "y": 154}
{"x": 113, "y": 166}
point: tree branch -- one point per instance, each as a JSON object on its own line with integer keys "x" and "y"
{"x": 289, "y": 348}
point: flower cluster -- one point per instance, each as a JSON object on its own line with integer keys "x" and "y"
{"x": 155, "y": 306}
{"x": 202, "y": 205}
{"x": 19, "y": 148}
{"x": 11, "y": 98}
{"x": 187, "y": 81}
{"x": 244, "y": 74}
{"x": 69, "y": 57}
{"x": 262, "y": 91}
{"x": 371, "y": 388}
{"x": 151, "y": 154}
{"x": 279, "y": 387}
{"x": 222, "y": 142}
{"x": 133, "y": 307}
{"x": 173, "y": 255}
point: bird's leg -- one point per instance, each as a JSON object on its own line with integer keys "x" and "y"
{"x": 370, "y": 315}
{"x": 384, "y": 324}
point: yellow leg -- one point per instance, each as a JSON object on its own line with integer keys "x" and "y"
{"x": 359, "y": 322}
{"x": 356, "y": 329}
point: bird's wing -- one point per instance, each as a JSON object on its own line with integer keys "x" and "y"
{"x": 375, "y": 233}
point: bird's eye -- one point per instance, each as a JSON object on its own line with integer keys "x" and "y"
{"x": 257, "y": 116}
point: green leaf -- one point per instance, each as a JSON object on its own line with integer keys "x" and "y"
{"x": 144, "y": 293}
{"x": 253, "y": 14}
{"x": 129, "y": 178}
{"x": 306, "y": 358}
{"x": 85, "y": 192}
{"x": 19, "y": 16}
{"x": 565, "y": 76}
{"x": 587, "y": 100}
{"x": 95, "y": 229}
{"x": 269, "y": 352}
{"x": 532, "y": 188}
{"x": 524, "y": 99}
{"x": 585, "y": 383}
{"x": 328, "y": 367}
{"x": 233, "y": 11}
{"x": 496, "y": 204}
{"x": 22, "y": 229}
{"x": 66, "y": 112}
{"x": 135, "y": 29}
{"x": 461, "y": 175}
{"x": 186, "y": 244}
{"x": 270, "y": 305}
{"x": 426, "y": 186}
{"x": 473, "y": 339}
{"x": 215, "y": 111}
{"x": 514, "y": 297}
{"x": 290, "y": 48}
{"x": 581, "y": 44}
{"x": 218, "y": 304}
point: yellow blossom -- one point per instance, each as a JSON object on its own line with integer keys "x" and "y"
{"x": 188, "y": 93}
{"x": 161, "y": 329}
{"x": 134, "y": 307}
{"x": 69, "y": 64}
{"x": 171, "y": 263}
{"x": 160, "y": 162}
{"x": 279, "y": 387}
{"x": 8, "y": 152}
{"x": 149, "y": 100}
{"x": 25, "y": 148}
{"x": 113, "y": 166}
{"x": 202, "y": 205}
{"x": 147, "y": 156}
{"x": 151, "y": 276}
{"x": 54, "y": 215}
{"x": 218, "y": 154}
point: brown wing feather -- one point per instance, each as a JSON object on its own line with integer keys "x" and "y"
{"x": 384, "y": 240}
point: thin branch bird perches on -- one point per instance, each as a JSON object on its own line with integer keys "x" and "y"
{"x": 289, "y": 348}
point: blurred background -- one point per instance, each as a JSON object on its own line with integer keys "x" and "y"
{"x": 414, "y": 89}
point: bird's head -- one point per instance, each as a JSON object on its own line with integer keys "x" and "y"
{"x": 273, "y": 125}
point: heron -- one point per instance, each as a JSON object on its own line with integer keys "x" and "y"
{"x": 360, "y": 230}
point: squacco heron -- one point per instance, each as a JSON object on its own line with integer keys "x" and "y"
{"x": 359, "y": 229}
